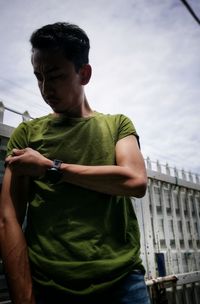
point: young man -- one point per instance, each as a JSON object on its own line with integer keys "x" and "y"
{"x": 76, "y": 168}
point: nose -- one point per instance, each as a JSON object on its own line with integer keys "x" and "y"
{"x": 46, "y": 87}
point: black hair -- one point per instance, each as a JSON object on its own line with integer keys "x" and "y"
{"x": 67, "y": 37}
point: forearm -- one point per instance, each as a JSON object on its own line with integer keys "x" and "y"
{"x": 114, "y": 180}
{"x": 16, "y": 264}
{"x": 13, "y": 249}
{"x": 127, "y": 177}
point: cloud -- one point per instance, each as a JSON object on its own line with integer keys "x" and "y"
{"x": 145, "y": 58}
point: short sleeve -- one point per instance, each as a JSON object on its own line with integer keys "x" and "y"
{"x": 18, "y": 139}
{"x": 126, "y": 128}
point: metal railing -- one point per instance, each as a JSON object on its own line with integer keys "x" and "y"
{"x": 24, "y": 116}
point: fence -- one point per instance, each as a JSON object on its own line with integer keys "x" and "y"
{"x": 169, "y": 219}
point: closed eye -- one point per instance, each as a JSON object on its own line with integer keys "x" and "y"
{"x": 55, "y": 77}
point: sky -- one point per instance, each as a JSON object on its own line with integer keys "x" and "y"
{"x": 145, "y": 60}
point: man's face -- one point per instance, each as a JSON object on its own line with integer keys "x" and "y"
{"x": 59, "y": 83}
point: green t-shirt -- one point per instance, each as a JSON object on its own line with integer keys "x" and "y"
{"x": 80, "y": 241}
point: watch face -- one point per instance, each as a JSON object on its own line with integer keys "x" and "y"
{"x": 53, "y": 175}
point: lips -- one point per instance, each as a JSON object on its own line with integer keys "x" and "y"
{"x": 51, "y": 100}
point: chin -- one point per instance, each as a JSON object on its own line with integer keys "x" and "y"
{"x": 59, "y": 111}
{"x": 56, "y": 109}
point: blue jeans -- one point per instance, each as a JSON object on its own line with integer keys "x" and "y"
{"x": 130, "y": 290}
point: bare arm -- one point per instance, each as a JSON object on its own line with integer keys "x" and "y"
{"x": 13, "y": 247}
{"x": 127, "y": 177}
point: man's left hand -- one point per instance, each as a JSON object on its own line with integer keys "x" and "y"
{"x": 28, "y": 162}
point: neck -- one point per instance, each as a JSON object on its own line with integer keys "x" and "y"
{"x": 81, "y": 110}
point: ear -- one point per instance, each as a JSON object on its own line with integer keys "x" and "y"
{"x": 85, "y": 73}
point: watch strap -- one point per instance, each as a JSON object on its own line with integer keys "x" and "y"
{"x": 56, "y": 164}
{"x": 54, "y": 174}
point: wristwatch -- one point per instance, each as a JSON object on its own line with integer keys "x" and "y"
{"x": 54, "y": 174}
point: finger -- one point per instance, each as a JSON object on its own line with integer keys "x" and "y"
{"x": 10, "y": 159}
{"x": 7, "y": 160}
{"x": 16, "y": 152}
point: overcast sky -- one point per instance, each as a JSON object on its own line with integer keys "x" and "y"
{"x": 145, "y": 56}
